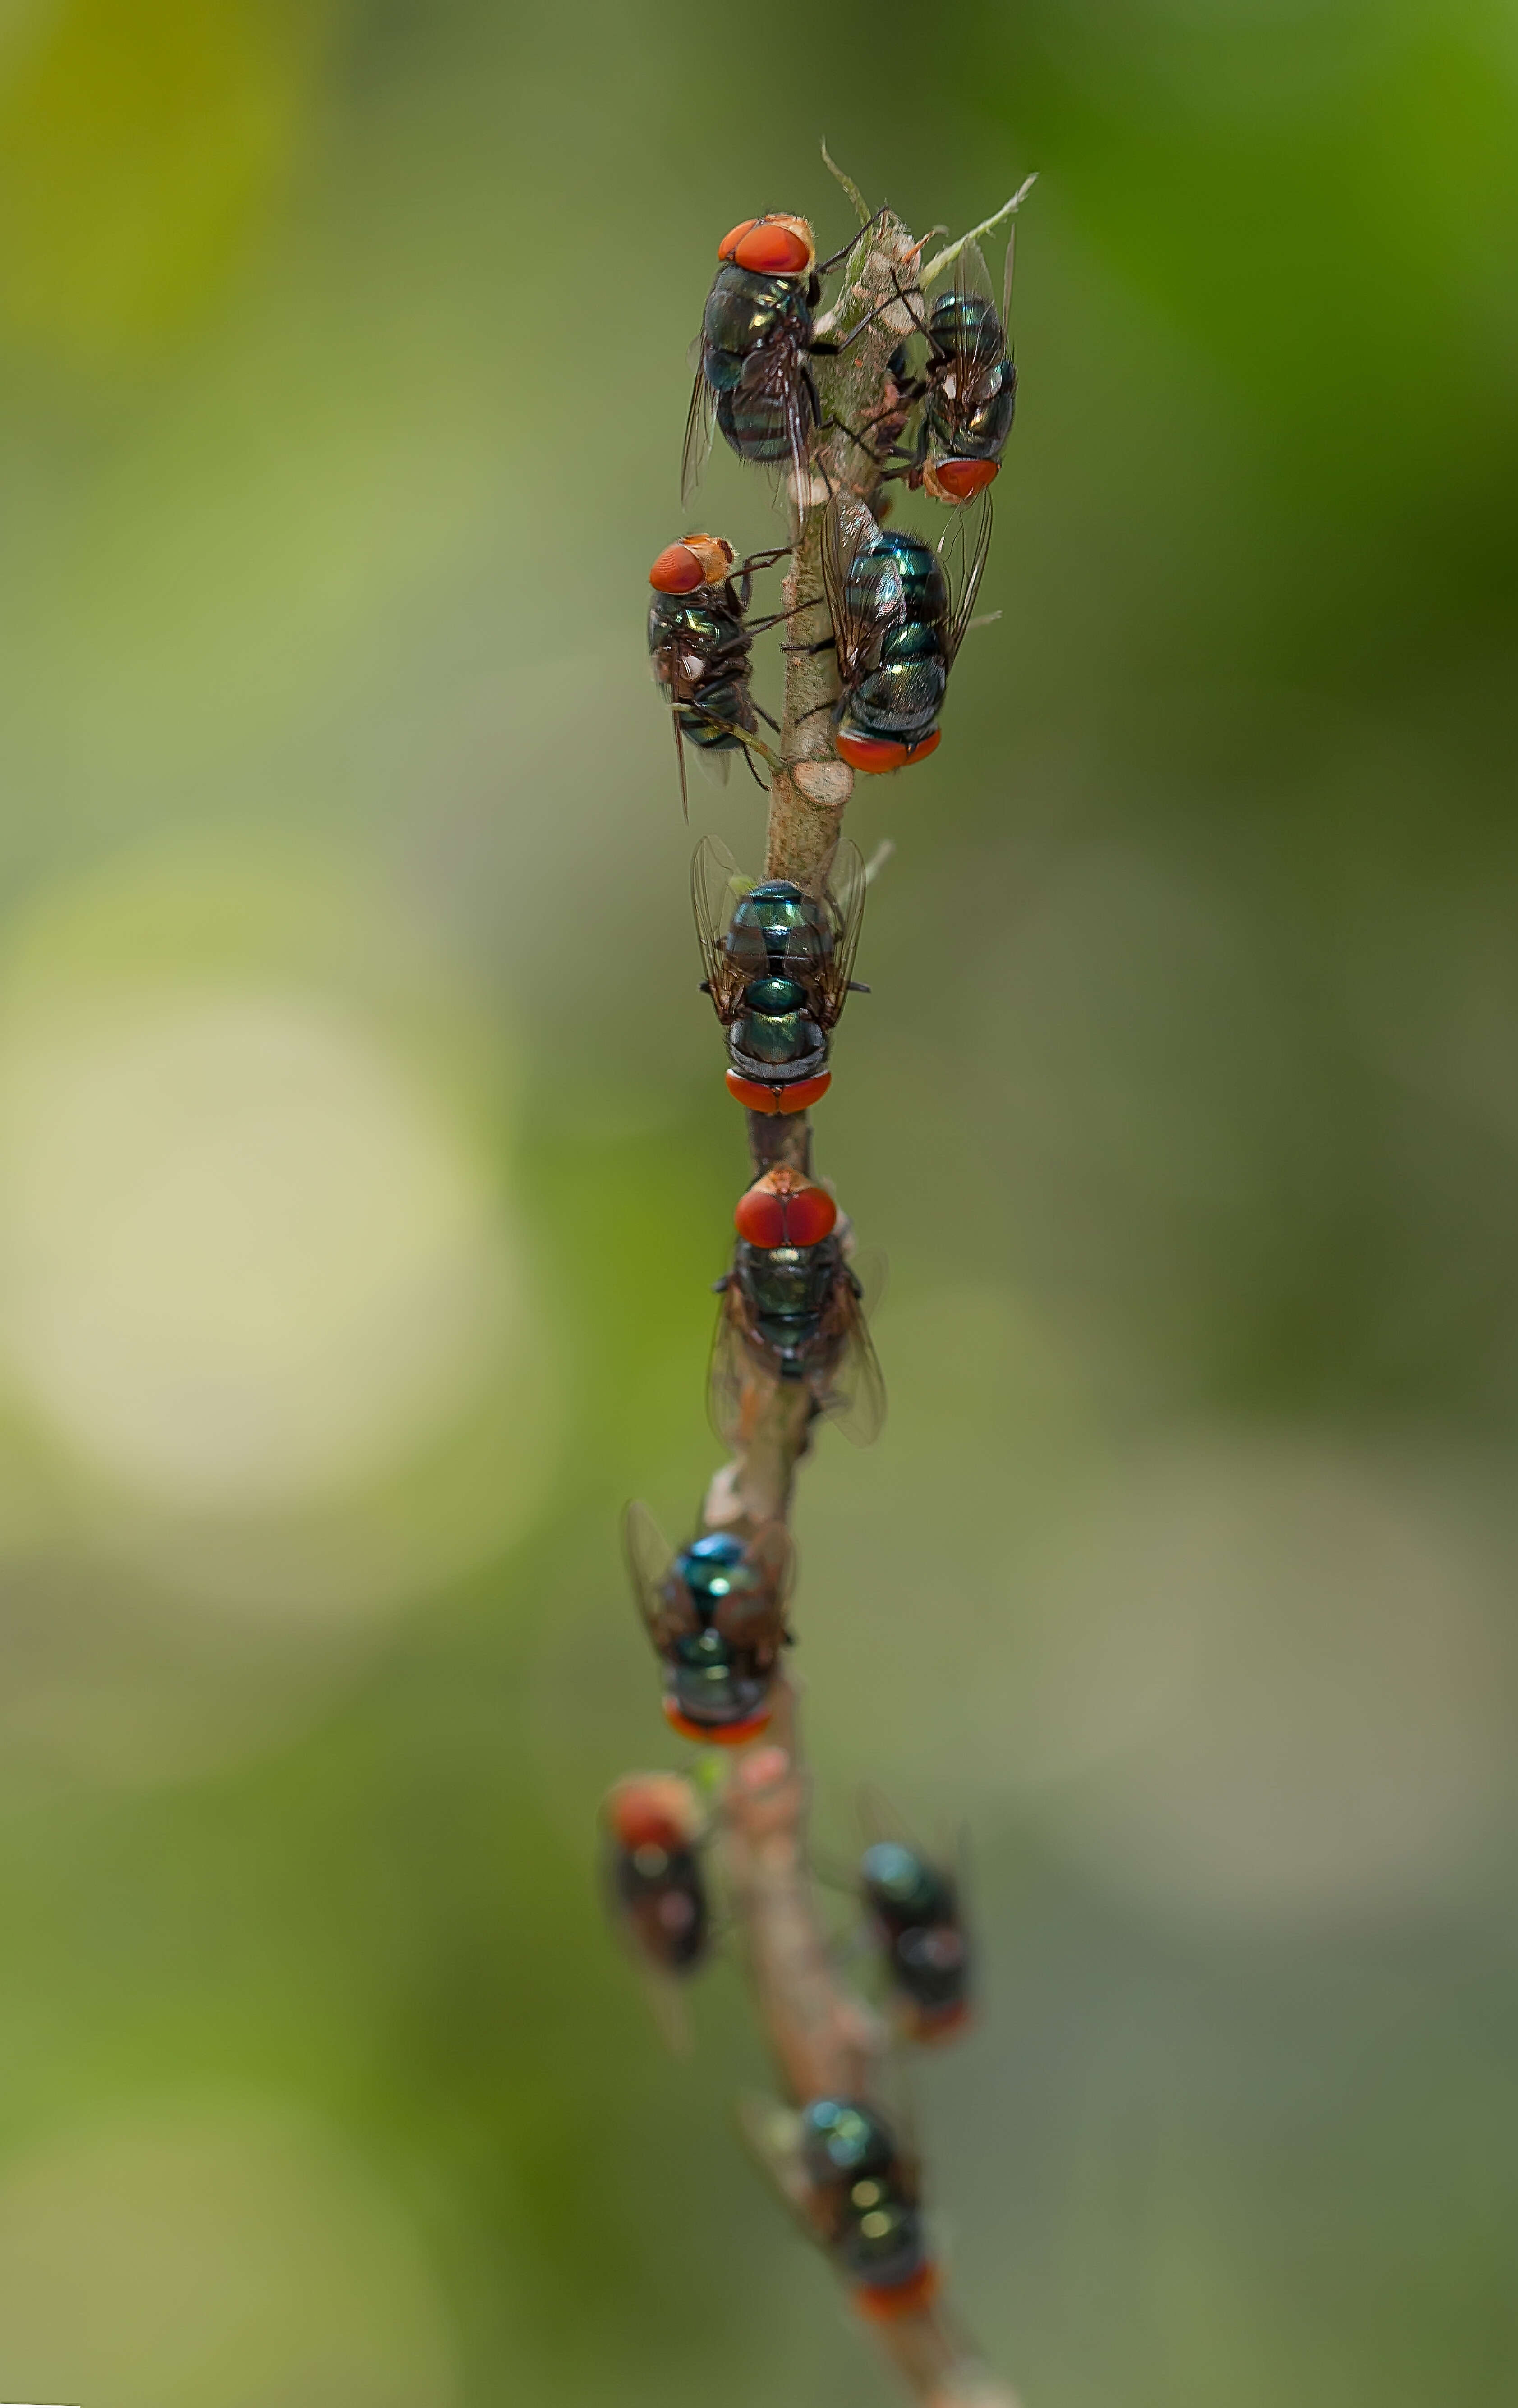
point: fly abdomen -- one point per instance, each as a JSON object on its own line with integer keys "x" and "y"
{"x": 904, "y": 696}
{"x": 714, "y": 711}
{"x": 756, "y": 424}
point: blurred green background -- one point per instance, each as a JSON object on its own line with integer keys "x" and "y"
{"x": 364, "y": 1163}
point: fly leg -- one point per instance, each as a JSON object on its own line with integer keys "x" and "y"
{"x": 826, "y": 347}
{"x": 742, "y": 579}
{"x": 824, "y": 266}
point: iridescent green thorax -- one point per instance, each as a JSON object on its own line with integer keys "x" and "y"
{"x": 901, "y": 1885}
{"x": 714, "y": 1567}
{"x": 917, "y": 569}
{"x": 743, "y": 312}
{"x": 850, "y": 2158}
{"x": 698, "y": 621}
{"x": 776, "y": 930}
{"x": 715, "y": 1680}
{"x": 701, "y": 652}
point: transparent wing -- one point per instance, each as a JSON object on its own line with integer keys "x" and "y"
{"x": 1006, "y": 281}
{"x": 798, "y": 430}
{"x": 861, "y": 608}
{"x": 971, "y": 543}
{"x": 973, "y": 284}
{"x": 871, "y": 1267}
{"x": 772, "y": 2135}
{"x": 650, "y": 1558}
{"x": 716, "y": 885}
{"x": 700, "y": 422}
{"x": 845, "y": 892}
{"x": 674, "y": 686}
{"x": 879, "y": 1819}
{"x": 733, "y": 1369}
{"x": 716, "y": 767}
{"x": 680, "y": 765}
{"x": 757, "y": 1619}
{"x": 856, "y": 1392}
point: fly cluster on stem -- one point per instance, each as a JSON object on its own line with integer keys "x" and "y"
{"x": 892, "y": 607}
{"x": 898, "y": 604}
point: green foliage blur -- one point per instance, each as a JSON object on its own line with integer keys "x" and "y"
{"x": 365, "y": 1161}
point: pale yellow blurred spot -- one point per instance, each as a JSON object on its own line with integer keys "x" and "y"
{"x": 243, "y": 1262}
{"x": 139, "y": 142}
{"x": 274, "y": 1363}
{"x": 213, "y": 2257}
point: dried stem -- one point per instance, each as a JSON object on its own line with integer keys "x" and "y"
{"x": 824, "y": 2041}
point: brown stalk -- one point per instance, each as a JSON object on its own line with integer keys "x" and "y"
{"x": 824, "y": 2041}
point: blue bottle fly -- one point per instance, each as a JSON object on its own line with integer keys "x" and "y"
{"x": 758, "y": 340}
{"x": 779, "y": 959}
{"x": 898, "y": 627}
{"x": 795, "y": 1315}
{"x": 715, "y": 1612}
{"x": 655, "y": 1882}
{"x": 700, "y": 640}
{"x": 914, "y": 1906}
{"x": 865, "y": 2194}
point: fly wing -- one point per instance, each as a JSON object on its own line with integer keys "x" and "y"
{"x": 667, "y": 1611}
{"x": 700, "y": 421}
{"x": 974, "y": 545}
{"x": 771, "y": 2134}
{"x": 848, "y": 532}
{"x": 871, "y": 1267}
{"x": 756, "y": 1619}
{"x": 716, "y": 884}
{"x": 973, "y": 284}
{"x": 673, "y": 685}
{"x": 732, "y": 1374}
{"x": 879, "y": 1819}
{"x": 845, "y": 891}
{"x": 856, "y": 1392}
{"x": 680, "y": 762}
{"x": 798, "y": 406}
{"x": 715, "y": 766}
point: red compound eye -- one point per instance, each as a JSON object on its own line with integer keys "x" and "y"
{"x": 716, "y": 1734}
{"x": 797, "y": 1098}
{"x": 773, "y": 249}
{"x": 676, "y": 570}
{"x": 882, "y": 2302}
{"x": 785, "y": 1209}
{"x": 770, "y": 246}
{"x": 878, "y": 753}
{"x": 655, "y": 1812}
{"x": 960, "y": 481}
